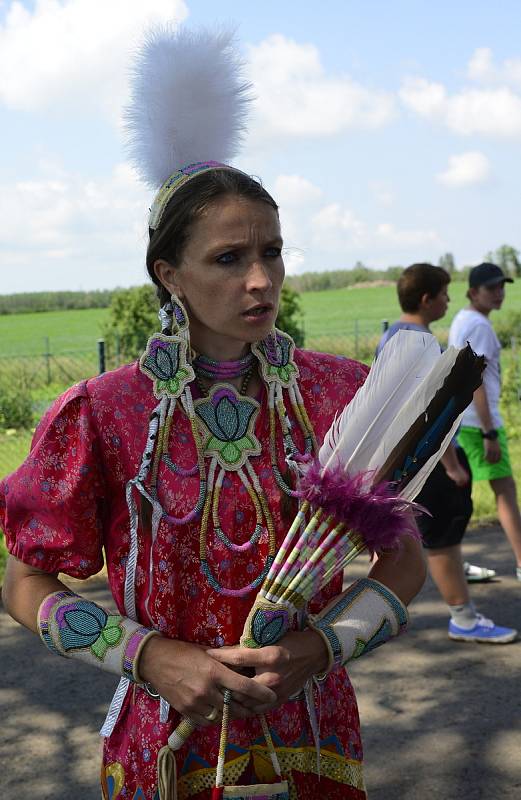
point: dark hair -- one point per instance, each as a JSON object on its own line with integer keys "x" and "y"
{"x": 186, "y": 204}
{"x": 417, "y": 280}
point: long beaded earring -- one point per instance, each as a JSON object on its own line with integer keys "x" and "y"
{"x": 167, "y": 357}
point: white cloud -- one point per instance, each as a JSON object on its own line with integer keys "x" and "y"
{"x": 294, "y": 190}
{"x": 297, "y": 98}
{"x": 481, "y": 68}
{"x": 335, "y": 226}
{"x": 407, "y": 238}
{"x": 490, "y": 112}
{"x": 89, "y": 233}
{"x": 74, "y": 52}
{"x": 465, "y": 169}
{"x": 383, "y": 193}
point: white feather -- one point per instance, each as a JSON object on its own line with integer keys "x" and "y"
{"x": 355, "y": 435}
{"x": 414, "y": 407}
{"x": 189, "y": 101}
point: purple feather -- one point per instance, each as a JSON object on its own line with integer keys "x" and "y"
{"x": 377, "y": 513}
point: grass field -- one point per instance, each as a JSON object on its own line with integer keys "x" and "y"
{"x": 330, "y": 313}
{"x": 26, "y": 334}
{"x": 333, "y": 312}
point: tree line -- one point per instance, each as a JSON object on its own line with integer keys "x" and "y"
{"x": 30, "y": 302}
{"x": 506, "y": 256}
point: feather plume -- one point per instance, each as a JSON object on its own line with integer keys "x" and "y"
{"x": 403, "y": 363}
{"x": 189, "y": 101}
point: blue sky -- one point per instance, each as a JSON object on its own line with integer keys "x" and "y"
{"x": 389, "y": 132}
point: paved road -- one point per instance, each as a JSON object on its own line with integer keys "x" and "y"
{"x": 441, "y": 720}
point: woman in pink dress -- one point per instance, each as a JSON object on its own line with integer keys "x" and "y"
{"x": 179, "y": 472}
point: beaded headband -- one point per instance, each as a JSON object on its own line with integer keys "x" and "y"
{"x": 174, "y": 182}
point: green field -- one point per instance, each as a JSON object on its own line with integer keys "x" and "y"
{"x": 27, "y": 334}
{"x": 331, "y": 313}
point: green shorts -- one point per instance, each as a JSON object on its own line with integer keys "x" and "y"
{"x": 472, "y": 442}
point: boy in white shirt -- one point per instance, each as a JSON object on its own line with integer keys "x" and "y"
{"x": 482, "y": 434}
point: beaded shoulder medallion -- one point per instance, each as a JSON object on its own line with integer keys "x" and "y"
{"x": 165, "y": 362}
{"x": 275, "y": 357}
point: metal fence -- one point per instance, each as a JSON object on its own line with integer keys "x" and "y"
{"x": 29, "y": 383}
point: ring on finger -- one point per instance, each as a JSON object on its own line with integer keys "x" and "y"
{"x": 212, "y": 715}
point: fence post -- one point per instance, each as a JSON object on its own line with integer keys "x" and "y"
{"x": 101, "y": 356}
{"x": 118, "y": 350}
{"x": 47, "y": 357}
{"x": 385, "y": 325}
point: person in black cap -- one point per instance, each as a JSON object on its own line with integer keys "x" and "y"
{"x": 482, "y": 434}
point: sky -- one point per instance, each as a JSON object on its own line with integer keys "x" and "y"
{"x": 389, "y": 131}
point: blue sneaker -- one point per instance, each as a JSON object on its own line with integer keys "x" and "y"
{"x": 483, "y": 631}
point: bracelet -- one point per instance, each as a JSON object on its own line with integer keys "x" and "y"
{"x": 73, "y": 627}
{"x": 362, "y": 618}
{"x": 491, "y": 434}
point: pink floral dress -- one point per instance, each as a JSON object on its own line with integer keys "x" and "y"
{"x": 66, "y": 505}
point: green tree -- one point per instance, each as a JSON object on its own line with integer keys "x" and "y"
{"x": 506, "y": 257}
{"x": 447, "y": 262}
{"x": 132, "y": 320}
{"x": 289, "y": 318}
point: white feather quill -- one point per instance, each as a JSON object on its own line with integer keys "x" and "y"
{"x": 416, "y": 404}
{"x": 189, "y": 102}
{"x": 359, "y": 430}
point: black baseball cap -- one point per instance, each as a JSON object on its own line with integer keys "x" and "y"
{"x": 487, "y": 274}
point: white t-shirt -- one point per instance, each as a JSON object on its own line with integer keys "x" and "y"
{"x": 472, "y": 327}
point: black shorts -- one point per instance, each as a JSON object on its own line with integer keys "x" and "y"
{"x": 451, "y": 507}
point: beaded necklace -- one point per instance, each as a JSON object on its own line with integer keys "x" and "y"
{"x": 222, "y": 422}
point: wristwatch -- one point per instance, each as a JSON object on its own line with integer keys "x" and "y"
{"x": 492, "y": 434}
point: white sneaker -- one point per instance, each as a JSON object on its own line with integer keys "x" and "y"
{"x": 475, "y": 574}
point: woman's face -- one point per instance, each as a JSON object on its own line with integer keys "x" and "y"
{"x": 230, "y": 275}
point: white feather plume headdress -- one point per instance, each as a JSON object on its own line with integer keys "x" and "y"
{"x": 188, "y": 107}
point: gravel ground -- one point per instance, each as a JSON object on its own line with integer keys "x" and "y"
{"x": 441, "y": 720}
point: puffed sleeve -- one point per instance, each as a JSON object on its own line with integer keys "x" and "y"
{"x": 51, "y": 507}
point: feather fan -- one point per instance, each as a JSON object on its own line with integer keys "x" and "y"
{"x": 188, "y": 99}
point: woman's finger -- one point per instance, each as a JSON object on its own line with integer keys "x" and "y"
{"x": 266, "y": 657}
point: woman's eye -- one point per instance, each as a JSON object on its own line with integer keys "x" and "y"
{"x": 226, "y": 258}
{"x": 274, "y": 252}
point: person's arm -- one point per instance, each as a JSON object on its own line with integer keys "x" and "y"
{"x": 183, "y": 673}
{"x": 491, "y": 448}
{"x": 453, "y": 468}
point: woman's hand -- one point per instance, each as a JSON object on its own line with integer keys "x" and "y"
{"x": 285, "y": 667}
{"x": 193, "y": 682}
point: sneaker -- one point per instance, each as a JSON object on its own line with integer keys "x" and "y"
{"x": 483, "y": 631}
{"x": 475, "y": 574}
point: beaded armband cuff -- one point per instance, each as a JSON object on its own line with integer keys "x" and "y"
{"x": 363, "y": 617}
{"x": 73, "y": 627}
